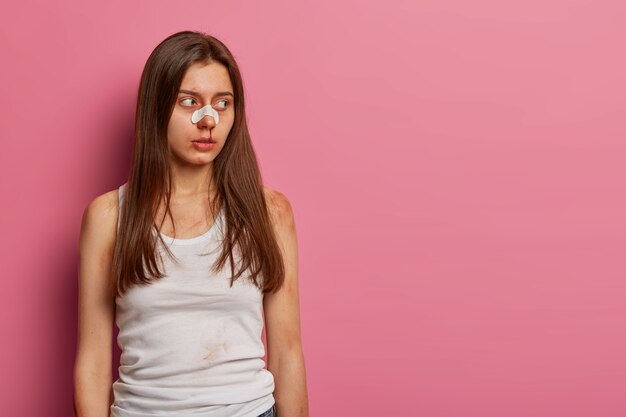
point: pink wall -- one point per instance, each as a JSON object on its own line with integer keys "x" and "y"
{"x": 456, "y": 169}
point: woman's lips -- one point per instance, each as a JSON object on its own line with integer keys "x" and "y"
{"x": 203, "y": 144}
{"x": 204, "y": 140}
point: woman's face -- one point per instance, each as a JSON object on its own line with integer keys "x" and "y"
{"x": 202, "y": 84}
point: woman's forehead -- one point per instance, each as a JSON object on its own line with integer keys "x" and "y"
{"x": 205, "y": 78}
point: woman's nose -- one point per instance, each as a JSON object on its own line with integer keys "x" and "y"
{"x": 206, "y": 121}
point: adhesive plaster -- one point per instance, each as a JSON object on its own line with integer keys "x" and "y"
{"x": 205, "y": 111}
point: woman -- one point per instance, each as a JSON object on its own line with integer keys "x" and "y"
{"x": 187, "y": 255}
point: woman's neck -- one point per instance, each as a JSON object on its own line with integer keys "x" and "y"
{"x": 191, "y": 181}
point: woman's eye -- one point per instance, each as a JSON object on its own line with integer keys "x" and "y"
{"x": 222, "y": 104}
{"x": 187, "y": 100}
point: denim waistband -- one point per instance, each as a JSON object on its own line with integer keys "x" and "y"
{"x": 269, "y": 413}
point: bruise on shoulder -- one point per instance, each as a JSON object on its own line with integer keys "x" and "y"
{"x": 278, "y": 206}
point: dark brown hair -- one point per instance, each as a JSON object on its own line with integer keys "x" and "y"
{"x": 236, "y": 178}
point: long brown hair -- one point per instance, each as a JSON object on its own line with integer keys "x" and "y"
{"x": 236, "y": 177}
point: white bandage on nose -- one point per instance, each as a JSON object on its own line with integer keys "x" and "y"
{"x": 205, "y": 111}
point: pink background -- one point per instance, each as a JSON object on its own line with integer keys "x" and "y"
{"x": 456, "y": 170}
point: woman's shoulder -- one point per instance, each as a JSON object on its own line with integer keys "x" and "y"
{"x": 104, "y": 205}
{"x": 100, "y": 217}
{"x": 279, "y": 206}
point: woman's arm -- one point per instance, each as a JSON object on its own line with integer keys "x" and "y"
{"x": 285, "y": 359}
{"x": 92, "y": 369}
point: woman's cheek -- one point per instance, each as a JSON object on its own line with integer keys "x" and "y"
{"x": 229, "y": 126}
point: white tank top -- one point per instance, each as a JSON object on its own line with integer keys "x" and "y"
{"x": 191, "y": 345}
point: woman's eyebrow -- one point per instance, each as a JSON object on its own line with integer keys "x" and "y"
{"x": 195, "y": 93}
